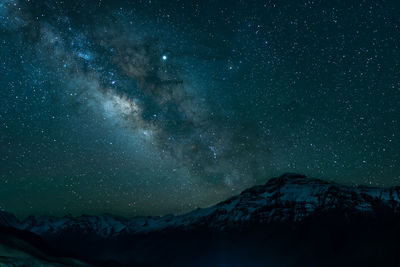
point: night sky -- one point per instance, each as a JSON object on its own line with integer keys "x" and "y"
{"x": 154, "y": 107}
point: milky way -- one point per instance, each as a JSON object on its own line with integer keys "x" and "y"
{"x": 151, "y": 107}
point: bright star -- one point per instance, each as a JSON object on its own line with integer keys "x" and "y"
{"x": 164, "y": 57}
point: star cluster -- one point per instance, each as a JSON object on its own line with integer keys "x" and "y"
{"x": 154, "y": 107}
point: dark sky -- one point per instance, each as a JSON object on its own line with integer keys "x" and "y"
{"x": 154, "y": 107}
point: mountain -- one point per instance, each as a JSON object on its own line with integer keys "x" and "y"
{"x": 23, "y": 248}
{"x": 282, "y": 217}
{"x": 290, "y": 197}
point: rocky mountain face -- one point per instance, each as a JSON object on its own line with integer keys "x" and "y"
{"x": 288, "y": 201}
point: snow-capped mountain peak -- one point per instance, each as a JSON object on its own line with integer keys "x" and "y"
{"x": 290, "y": 197}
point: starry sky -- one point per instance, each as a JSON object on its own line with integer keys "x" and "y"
{"x": 155, "y": 107}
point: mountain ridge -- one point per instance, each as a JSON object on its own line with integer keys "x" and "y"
{"x": 291, "y": 220}
{"x": 284, "y": 198}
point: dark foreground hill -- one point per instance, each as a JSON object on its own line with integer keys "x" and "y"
{"x": 290, "y": 221}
